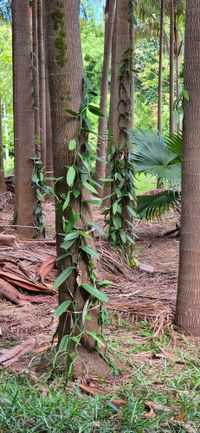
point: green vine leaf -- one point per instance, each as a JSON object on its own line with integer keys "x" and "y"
{"x": 95, "y": 292}
{"x": 90, "y": 187}
{"x": 95, "y": 110}
{"x": 73, "y": 113}
{"x": 71, "y": 176}
{"x": 61, "y": 308}
{"x": 90, "y": 252}
{"x": 97, "y": 338}
{"x": 72, "y": 235}
{"x": 67, "y": 245}
{"x": 72, "y": 144}
{"x": 63, "y": 277}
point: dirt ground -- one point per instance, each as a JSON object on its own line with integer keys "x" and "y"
{"x": 147, "y": 292}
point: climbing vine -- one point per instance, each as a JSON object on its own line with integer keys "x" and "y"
{"x": 77, "y": 245}
{"x": 42, "y": 189}
{"x": 120, "y": 215}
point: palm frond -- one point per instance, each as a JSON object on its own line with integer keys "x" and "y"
{"x": 152, "y": 155}
{"x": 153, "y": 206}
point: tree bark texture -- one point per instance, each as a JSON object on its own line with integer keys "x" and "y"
{"x": 49, "y": 149}
{"x": 178, "y": 47}
{"x": 188, "y": 298}
{"x": 24, "y": 125}
{"x": 171, "y": 102}
{"x": 102, "y": 139}
{"x": 42, "y": 81}
{"x": 36, "y": 74}
{"x": 160, "y": 74}
{"x": 66, "y": 91}
{"x": 2, "y": 179}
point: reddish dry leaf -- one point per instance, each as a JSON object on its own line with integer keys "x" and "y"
{"x": 91, "y": 390}
{"x": 47, "y": 266}
{"x": 25, "y": 283}
{"x": 11, "y": 293}
{"x": 157, "y": 408}
{"x": 35, "y": 299}
{"x": 10, "y": 356}
{"x": 7, "y": 240}
{"x": 149, "y": 414}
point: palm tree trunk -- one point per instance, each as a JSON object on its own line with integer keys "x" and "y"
{"x": 160, "y": 75}
{"x": 171, "y": 104}
{"x": 122, "y": 95}
{"x": 2, "y": 178}
{"x": 188, "y": 298}
{"x": 66, "y": 78}
{"x": 36, "y": 75}
{"x": 178, "y": 46}
{"x": 49, "y": 146}
{"x": 101, "y": 143}
{"x": 24, "y": 125}
{"x": 42, "y": 81}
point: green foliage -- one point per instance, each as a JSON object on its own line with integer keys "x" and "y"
{"x": 153, "y": 206}
{"x": 77, "y": 240}
{"x": 160, "y": 157}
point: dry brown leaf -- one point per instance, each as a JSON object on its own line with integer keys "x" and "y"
{"x": 157, "y": 408}
{"x": 91, "y": 390}
{"x": 149, "y": 414}
{"x": 47, "y": 266}
{"x": 10, "y": 356}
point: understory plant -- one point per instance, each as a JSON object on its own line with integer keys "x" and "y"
{"x": 160, "y": 157}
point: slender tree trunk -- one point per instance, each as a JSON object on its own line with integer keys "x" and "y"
{"x": 24, "y": 131}
{"x": 188, "y": 298}
{"x": 2, "y": 178}
{"x": 36, "y": 75}
{"x": 66, "y": 90}
{"x": 178, "y": 46}
{"x": 42, "y": 81}
{"x": 49, "y": 146}
{"x": 160, "y": 75}
{"x": 112, "y": 114}
{"x": 171, "y": 104}
{"x": 123, "y": 99}
{"x": 102, "y": 140}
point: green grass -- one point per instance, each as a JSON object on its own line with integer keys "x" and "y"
{"x": 53, "y": 407}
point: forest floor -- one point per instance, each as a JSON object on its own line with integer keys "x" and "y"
{"x": 158, "y": 387}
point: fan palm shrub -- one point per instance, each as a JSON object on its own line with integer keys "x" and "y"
{"x": 161, "y": 157}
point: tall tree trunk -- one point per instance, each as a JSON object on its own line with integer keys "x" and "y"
{"x": 123, "y": 99}
{"x": 49, "y": 146}
{"x": 2, "y": 179}
{"x": 171, "y": 103}
{"x": 42, "y": 81}
{"x": 112, "y": 114}
{"x": 36, "y": 75}
{"x": 66, "y": 91}
{"x": 102, "y": 140}
{"x": 24, "y": 126}
{"x": 177, "y": 46}
{"x": 188, "y": 298}
{"x": 160, "y": 75}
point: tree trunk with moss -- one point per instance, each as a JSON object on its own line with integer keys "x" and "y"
{"x": 188, "y": 298}
{"x": 102, "y": 139}
{"x": 66, "y": 92}
{"x": 24, "y": 120}
{"x": 2, "y": 178}
{"x": 121, "y": 116}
